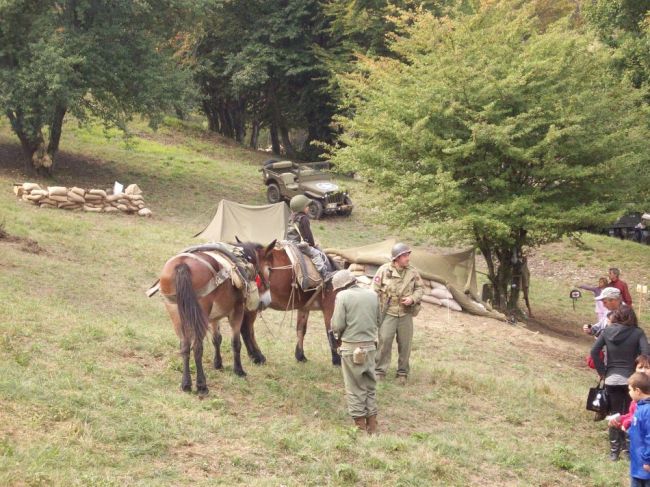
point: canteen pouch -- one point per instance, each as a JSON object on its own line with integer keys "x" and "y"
{"x": 359, "y": 356}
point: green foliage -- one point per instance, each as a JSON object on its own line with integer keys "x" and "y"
{"x": 102, "y": 59}
{"x": 491, "y": 129}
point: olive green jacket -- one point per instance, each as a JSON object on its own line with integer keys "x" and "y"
{"x": 356, "y": 315}
{"x": 393, "y": 285}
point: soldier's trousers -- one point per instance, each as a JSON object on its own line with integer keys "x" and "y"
{"x": 360, "y": 384}
{"x": 402, "y": 327}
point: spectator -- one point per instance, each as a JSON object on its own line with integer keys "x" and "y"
{"x": 639, "y": 389}
{"x": 625, "y": 341}
{"x": 601, "y": 311}
{"x": 615, "y": 281}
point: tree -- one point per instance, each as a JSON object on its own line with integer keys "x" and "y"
{"x": 85, "y": 57}
{"x": 494, "y": 129}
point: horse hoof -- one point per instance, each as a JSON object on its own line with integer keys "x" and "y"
{"x": 202, "y": 391}
{"x": 301, "y": 358}
{"x": 186, "y": 387}
{"x": 259, "y": 360}
{"x": 240, "y": 373}
{"x": 218, "y": 366}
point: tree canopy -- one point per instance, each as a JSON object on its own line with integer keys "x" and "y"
{"x": 86, "y": 57}
{"x": 494, "y": 129}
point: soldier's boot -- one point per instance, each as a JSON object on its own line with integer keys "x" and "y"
{"x": 360, "y": 423}
{"x": 614, "y": 444}
{"x": 371, "y": 424}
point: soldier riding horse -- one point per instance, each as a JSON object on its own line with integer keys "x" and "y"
{"x": 279, "y": 273}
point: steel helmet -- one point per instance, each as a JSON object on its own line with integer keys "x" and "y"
{"x": 299, "y": 202}
{"x": 399, "y": 249}
{"x": 342, "y": 278}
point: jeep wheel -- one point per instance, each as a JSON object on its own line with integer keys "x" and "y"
{"x": 315, "y": 210}
{"x": 273, "y": 193}
{"x": 347, "y": 211}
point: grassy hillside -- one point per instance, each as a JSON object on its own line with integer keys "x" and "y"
{"x": 89, "y": 368}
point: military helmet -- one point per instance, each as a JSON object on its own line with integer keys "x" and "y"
{"x": 299, "y": 202}
{"x": 342, "y": 278}
{"x": 399, "y": 249}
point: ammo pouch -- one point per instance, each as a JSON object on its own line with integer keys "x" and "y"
{"x": 359, "y": 356}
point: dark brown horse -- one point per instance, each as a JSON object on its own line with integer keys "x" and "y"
{"x": 277, "y": 270}
{"x": 198, "y": 291}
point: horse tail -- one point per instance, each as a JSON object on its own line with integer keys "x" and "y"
{"x": 193, "y": 322}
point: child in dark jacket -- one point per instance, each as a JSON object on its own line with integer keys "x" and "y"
{"x": 639, "y": 387}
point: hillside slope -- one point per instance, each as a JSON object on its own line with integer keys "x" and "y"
{"x": 89, "y": 367}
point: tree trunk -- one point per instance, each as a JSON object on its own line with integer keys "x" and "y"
{"x": 275, "y": 140}
{"x": 255, "y": 134}
{"x": 286, "y": 141}
{"x": 211, "y": 115}
{"x": 505, "y": 272}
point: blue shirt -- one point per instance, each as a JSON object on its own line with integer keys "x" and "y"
{"x": 639, "y": 433}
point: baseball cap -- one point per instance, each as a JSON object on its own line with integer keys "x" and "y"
{"x": 609, "y": 293}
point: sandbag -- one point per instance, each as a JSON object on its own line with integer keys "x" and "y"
{"x": 441, "y": 293}
{"x": 431, "y": 300}
{"x": 122, "y": 207}
{"x": 145, "y": 212}
{"x": 75, "y": 197}
{"x": 451, "y": 304}
{"x": 57, "y": 190}
{"x": 97, "y": 192}
{"x": 58, "y": 198}
{"x": 437, "y": 285}
{"x": 92, "y": 209}
{"x": 114, "y": 197}
{"x": 133, "y": 189}
{"x": 34, "y": 197}
{"x": 42, "y": 192}
{"x": 110, "y": 209}
{"x": 31, "y": 186}
{"x": 79, "y": 191}
{"x": 356, "y": 267}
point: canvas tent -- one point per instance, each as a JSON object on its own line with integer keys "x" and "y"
{"x": 261, "y": 224}
{"x": 455, "y": 270}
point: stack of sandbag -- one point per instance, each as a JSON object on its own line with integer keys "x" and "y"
{"x": 92, "y": 200}
{"x": 436, "y": 293}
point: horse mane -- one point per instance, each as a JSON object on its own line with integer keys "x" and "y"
{"x": 250, "y": 250}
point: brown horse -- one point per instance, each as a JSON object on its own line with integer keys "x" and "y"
{"x": 276, "y": 270}
{"x": 197, "y": 293}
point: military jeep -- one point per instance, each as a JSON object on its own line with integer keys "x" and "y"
{"x": 286, "y": 179}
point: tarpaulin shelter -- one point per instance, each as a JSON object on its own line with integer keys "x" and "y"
{"x": 456, "y": 270}
{"x": 261, "y": 224}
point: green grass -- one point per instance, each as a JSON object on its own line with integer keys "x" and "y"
{"x": 89, "y": 367}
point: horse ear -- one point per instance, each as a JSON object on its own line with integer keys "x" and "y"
{"x": 270, "y": 247}
{"x": 237, "y": 239}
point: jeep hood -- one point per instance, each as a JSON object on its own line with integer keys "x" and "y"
{"x": 319, "y": 187}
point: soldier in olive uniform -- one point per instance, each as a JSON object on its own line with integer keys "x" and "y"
{"x": 400, "y": 291}
{"x": 299, "y": 232}
{"x": 354, "y": 323}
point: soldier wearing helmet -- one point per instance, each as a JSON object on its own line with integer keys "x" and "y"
{"x": 400, "y": 291}
{"x": 354, "y": 323}
{"x": 299, "y": 232}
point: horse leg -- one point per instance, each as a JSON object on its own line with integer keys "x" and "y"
{"x": 201, "y": 385}
{"x": 184, "y": 346}
{"x": 301, "y": 330}
{"x": 236, "y": 319}
{"x": 328, "y": 311}
{"x": 248, "y": 334}
{"x": 186, "y": 381}
{"x": 216, "y": 341}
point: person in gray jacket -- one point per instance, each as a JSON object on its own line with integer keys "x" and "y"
{"x": 355, "y": 323}
{"x": 624, "y": 342}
